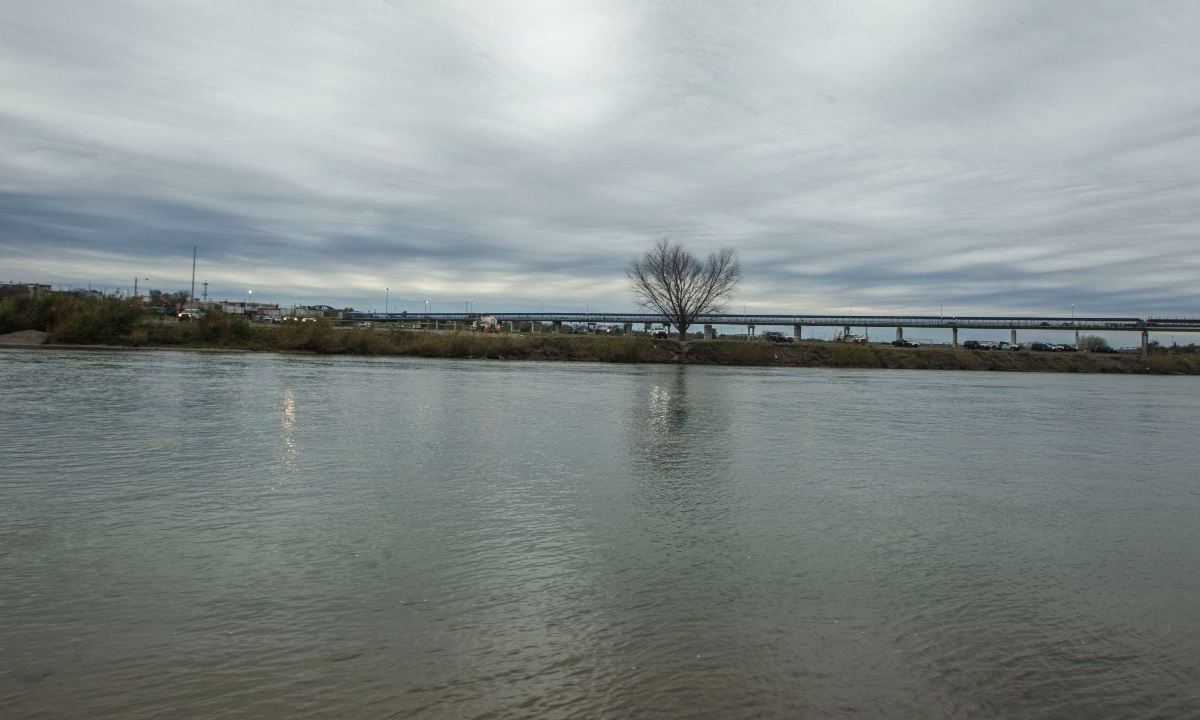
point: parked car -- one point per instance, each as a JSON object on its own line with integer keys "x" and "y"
{"x": 972, "y": 345}
{"x": 1016, "y": 346}
{"x": 189, "y": 314}
{"x": 1041, "y": 347}
{"x": 1102, "y": 349}
{"x": 661, "y": 334}
{"x": 776, "y": 337}
{"x": 905, "y": 343}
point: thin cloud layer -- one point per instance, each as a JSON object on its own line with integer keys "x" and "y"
{"x": 989, "y": 157}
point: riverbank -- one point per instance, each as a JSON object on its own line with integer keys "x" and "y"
{"x": 326, "y": 339}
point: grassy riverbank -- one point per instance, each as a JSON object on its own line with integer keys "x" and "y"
{"x": 74, "y": 321}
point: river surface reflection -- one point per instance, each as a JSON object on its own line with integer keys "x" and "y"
{"x": 198, "y": 535}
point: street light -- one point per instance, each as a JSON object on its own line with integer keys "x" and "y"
{"x": 135, "y": 282}
{"x": 386, "y": 291}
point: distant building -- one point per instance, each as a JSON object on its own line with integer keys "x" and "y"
{"x": 249, "y": 309}
{"x": 31, "y": 290}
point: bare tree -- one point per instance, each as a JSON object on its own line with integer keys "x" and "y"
{"x": 670, "y": 280}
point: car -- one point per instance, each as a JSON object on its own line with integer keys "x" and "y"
{"x": 776, "y": 337}
{"x": 972, "y": 345}
{"x": 364, "y": 324}
{"x": 191, "y": 314}
{"x": 308, "y": 319}
{"x": 1016, "y": 346}
{"x": 1041, "y": 347}
{"x": 905, "y": 343}
{"x": 661, "y": 334}
{"x": 1102, "y": 349}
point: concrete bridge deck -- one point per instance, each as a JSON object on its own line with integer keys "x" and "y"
{"x": 1128, "y": 324}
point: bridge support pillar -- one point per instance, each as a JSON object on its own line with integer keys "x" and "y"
{"x": 646, "y": 328}
{"x": 1077, "y": 339}
{"x": 1012, "y": 337}
{"x": 1145, "y": 342}
{"x": 710, "y": 333}
{"x": 899, "y": 333}
{"x": 628, "y": 328}
{"x": 556, "y": 326}
{"x": 797, "y": 332}
{"x": 954, "y": 336}
{"x": 749, "y": 331}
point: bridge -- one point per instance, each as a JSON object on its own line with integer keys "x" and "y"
{"x": 751, "y": 321}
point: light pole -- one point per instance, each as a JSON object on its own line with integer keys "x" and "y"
{"x": 386, "y": 291}
{"x": 135, "y": 282}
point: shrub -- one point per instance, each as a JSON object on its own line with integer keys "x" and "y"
{"x": 90, "y": 320}
{"x": 218, "y": 327}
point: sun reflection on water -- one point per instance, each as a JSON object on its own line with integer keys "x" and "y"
{"x": 287, "y": 435}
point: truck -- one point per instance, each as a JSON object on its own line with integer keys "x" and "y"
{"x": 486, "y": 324}
{"x": 846, "y": 336}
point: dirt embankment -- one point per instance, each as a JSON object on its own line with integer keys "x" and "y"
{"x": 23, "y": 337}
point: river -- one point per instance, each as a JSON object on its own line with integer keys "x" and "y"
{"x": 269, "y": 536}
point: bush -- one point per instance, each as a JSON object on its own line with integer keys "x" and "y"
{"x": 218, "y": 327}
{"x": 316, "y": 336}
{"x": 26, "y": 313}
{"x": 71, "y": 319}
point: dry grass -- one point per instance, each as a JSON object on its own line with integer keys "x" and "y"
{"x": 321, "y": 337}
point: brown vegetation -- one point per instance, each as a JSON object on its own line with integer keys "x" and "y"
{"x": 71, "y": 320}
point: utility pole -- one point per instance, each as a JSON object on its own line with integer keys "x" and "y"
{"x": 192, "y": 295}
{"x": 205, "y": 291}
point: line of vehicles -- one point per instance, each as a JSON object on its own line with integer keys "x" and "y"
{"x": 1036, "y": 347}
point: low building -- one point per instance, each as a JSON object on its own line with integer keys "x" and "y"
{"x": 31, "y": 290}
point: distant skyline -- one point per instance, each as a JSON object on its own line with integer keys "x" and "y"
{"x": 985, "y": 157}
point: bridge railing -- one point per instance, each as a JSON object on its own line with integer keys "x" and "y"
{"x": 762, "y": 320}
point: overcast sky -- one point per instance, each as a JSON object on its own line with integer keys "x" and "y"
{"x": 987, "y": 157}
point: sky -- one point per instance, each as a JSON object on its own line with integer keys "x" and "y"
{"x": 874, "y": 157}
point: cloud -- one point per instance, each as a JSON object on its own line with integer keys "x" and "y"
{"x": 898, "y": 157}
